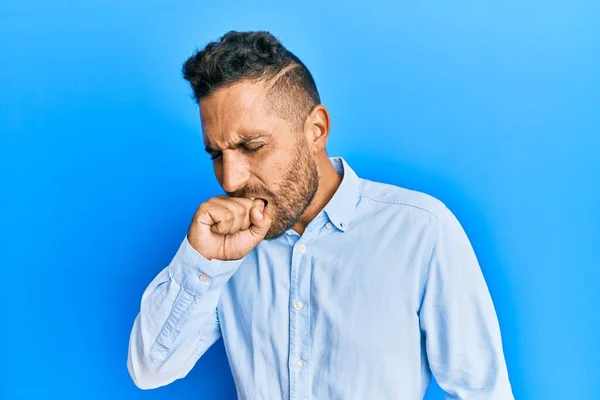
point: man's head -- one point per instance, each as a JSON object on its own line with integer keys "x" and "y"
{"x": 262, "y": 122}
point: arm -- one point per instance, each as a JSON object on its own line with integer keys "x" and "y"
{"x": 458, "y": 319}
{"x": 177, "y": 321}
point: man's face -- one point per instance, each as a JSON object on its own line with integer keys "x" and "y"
{"x": 257, "y": 153}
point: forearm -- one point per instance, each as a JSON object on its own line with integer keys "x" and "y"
{"x": 177, "y": 321}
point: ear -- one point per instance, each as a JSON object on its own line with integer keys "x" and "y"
{"x": 316, "y": 128}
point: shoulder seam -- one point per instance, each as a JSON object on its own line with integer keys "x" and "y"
{"x": 426, "y": 264}
{"x": 399, "y": 202}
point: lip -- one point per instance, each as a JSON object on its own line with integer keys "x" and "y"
{"x": 268, "y": 202}
{"x": 267, "y": 208}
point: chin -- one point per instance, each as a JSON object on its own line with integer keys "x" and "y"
{"x": 272, "y": 235}
{"x": 275, "y": 233}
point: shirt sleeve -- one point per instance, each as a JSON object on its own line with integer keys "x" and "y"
{"x": 459, "y": 322}
{"x": 177, "y": 321}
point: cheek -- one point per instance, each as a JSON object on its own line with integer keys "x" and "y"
{"x": 271, "y": 170}
{"x": 271, "y": 181}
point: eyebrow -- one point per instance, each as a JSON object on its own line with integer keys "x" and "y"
{"x": 244, "y": 140}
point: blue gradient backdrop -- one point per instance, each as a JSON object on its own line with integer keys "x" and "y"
{"x": 491, "y": 106}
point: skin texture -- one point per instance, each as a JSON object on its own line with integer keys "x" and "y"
{"x": 262, "y": 155}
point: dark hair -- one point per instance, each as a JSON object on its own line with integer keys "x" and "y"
{"x": 254, "y": 56}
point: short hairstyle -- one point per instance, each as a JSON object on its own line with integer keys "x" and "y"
{"x": 254, "y": 56}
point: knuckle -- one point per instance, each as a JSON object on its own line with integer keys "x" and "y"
{"x": 238, "y": 207}
{"x": 228, "y": 215}
{"x": 208, "y": 204}
{"x": 241, "y": 210}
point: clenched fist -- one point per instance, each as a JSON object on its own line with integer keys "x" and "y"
{"x": 227, "y": 228}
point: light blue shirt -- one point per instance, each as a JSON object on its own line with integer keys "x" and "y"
{"x": 382, "y": 291}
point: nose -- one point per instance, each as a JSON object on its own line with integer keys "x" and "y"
{"x": 234, "y": 173}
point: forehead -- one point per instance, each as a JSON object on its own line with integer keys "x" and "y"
{"x": 236, "y": 111}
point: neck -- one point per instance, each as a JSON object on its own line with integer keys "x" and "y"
{"x": 329, "y": 181}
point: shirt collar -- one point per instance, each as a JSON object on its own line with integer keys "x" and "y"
{"x": 340, "y": 208}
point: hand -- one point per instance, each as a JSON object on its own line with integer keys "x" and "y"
{"x": 228, "y": 228}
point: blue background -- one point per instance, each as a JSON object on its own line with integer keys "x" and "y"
{"x": 493, "y": 107}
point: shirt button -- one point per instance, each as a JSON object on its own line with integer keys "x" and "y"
{"x": 298, "y": 305}
{"x": 298, "y": 363}
{"x": 302, "y": 248}
{"x": 204, "y": 277}
{"x": 328, "y": 225}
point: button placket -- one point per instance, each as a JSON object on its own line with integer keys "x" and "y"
{"x": 299, "y": 320}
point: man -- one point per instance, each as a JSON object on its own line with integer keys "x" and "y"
{"x": 322, "y": 285}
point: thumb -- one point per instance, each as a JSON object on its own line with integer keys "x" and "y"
{"x": 260, "y": 222}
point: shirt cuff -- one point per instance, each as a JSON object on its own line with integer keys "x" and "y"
{"x": 197, "y": 274}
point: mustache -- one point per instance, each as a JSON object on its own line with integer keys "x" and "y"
{"x": 250, "y": 191}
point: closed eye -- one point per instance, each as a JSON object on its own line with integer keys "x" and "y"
{"x": 215, "y": 154}
{"x": 251, "y": 149}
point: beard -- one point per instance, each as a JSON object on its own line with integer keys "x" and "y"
{"x": 294, "y": 194}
